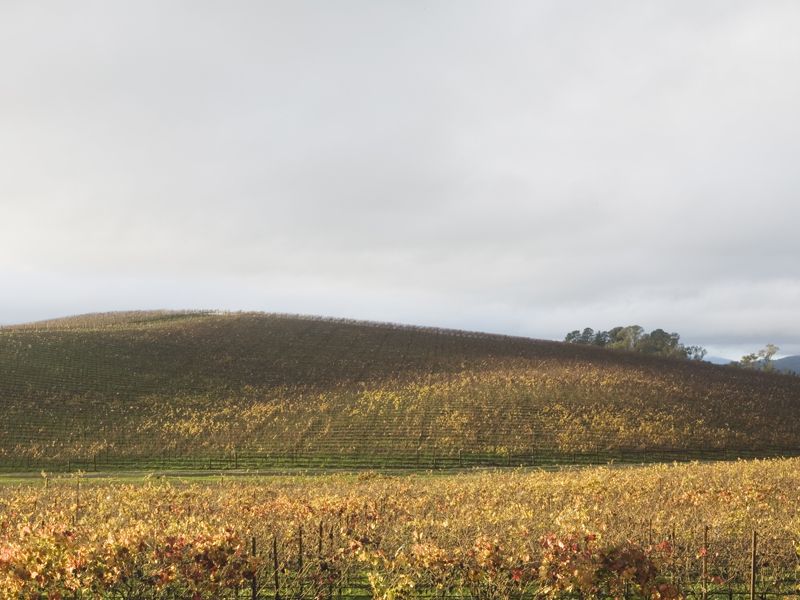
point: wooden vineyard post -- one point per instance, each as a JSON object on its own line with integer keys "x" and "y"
{"x": 275, "y": 566}
{"x": 330, "y": 580}
{"x": 460, "y": 460}
{"x": 77, "y": 501}
{"x": 318, "y": 586}
{"x": 300, "y": 558}
{"x": 753, "y": 566}
{"x": 673, "y": 552}
{"x": 705, "y": 562}
{"x": 254, "y": 581}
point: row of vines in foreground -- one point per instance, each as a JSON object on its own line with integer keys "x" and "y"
{"x": 655, "y": 532}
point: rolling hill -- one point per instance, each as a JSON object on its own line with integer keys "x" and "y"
{"x": 208, "y": 390}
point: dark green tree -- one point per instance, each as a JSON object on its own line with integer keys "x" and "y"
{"x": 660, "y": 343}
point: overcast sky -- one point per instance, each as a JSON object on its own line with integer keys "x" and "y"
{"x": 517, "y": 167}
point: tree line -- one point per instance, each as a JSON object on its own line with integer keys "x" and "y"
{"x": 634, "y": 338}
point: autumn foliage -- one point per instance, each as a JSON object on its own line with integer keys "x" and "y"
{"x": 209, "y": 391}
{"x": 635, "y": 532}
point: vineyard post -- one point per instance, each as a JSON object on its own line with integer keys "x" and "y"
{"x": 77, "y": 501}
{"x": 672, "y": 552}
{"x": 330, "y": 577}
{"x": 705, "y": 562}
{"x": 753, "y": 566}
{"x": 319, "y": 552}
{"x": 460, "y": 460}
{"x": 320, "y": 548}
{"x": 300, "y": 558}
{"x": 254, "y": 581}
{"x": 275, "y": 566}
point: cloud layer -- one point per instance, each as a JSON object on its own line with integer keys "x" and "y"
{"x": 522, "y": 167}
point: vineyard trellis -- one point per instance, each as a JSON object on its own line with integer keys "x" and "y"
{"x": 650, "y": 531}
{"x": 279, "y": 582}
{"x": 141, "y": 390}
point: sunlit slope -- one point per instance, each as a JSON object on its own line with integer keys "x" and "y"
{"x": 207, "y": 389}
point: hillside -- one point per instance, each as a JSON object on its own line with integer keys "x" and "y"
{"x": 788, "y": 364}
{"x": 207, "y": 390}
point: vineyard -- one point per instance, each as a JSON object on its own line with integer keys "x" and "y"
{"x": 654, "y": 532}
{"x": 235, "y": 395}
{"x": 209, "y": 391}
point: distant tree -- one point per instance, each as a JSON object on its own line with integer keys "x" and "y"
{"x": 585, "y": 337}
{"x": 613, "y": 333}
{"x": 695, "y": 352}
{"x": 602, "y": 339}
{"x": 626, "y": 338}
{"x": 763, "y": 359}
{"x": 769, "y": 352}
{"x": 661, "y": 343}
{"x": 748, "y": 361}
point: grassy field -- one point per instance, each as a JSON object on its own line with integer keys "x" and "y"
{"x": 256, "y": 391}
{"x": 658, "y": 532}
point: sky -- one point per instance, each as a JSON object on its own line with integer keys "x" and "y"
{"x": 525, "y": 167}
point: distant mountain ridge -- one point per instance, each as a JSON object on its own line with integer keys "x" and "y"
{"x": 788, "y": 363}
{"x": 718, "y": 360}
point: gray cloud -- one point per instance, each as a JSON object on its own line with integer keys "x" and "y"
{"x": 521, "y": 167}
